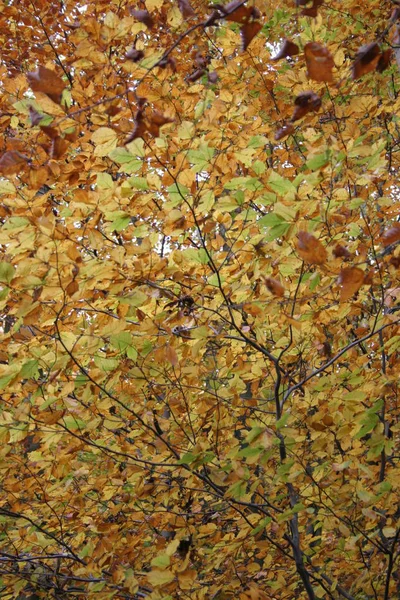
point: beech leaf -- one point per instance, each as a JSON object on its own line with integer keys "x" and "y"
{"x": 319, "y": 62}
{"x": 350, "y": 280}
{"x": 310, "y": 249}
{"x": 48, "y": 82}
{"x": 366, "y": 60}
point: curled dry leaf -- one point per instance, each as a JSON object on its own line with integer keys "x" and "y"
{"x": 366, "y": 60}
{"x": 285, "y": 130}
{"x": 248, "y": 32}
{"x": 350, "y": 280}
{"x": 310, "y": 249}
{"x": 319, "y": 62}
{"x": 391, "y": 235}
{"x": 305, "y": 103}
{"x": 46, "y": 81}
{"x": 288, "y": 48}
{"x": 275, "y": 286}
{"x": 185, "y": 8}
{"x": 12, "y": 162}
{"x": 143, "y": 16}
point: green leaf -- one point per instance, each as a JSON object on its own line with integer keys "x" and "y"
{"x": 6, "y": 272}
{"x": 121, "y": 340}
{"x": 271, "y": 219}
{"x": 30, "y": 369}
{"x": 162, "y": 561}
{"x": 187, "y": 458}
{"x": 139, "y": 183}
{"x": 106, "y": 364}
{"x": 280, "y": 185}
{"x": 120, "y": 223}
{"x": 6, "y": 187}
{"x": 128, "y": 161}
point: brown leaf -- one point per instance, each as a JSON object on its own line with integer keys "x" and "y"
{"x": 185, "y": 8}
{"x": 51, "y": 132}
{"x": 384, "y": 60}
{"x": 274, "y": 286}
{"x": 58, "y": 147}
{"x": 319, "y": 62}
{"x": 12, "y": 162}
{"x": 46, "y": 81}
{"x": 288, "y": 48}
{"x": 340, "y": 252}
{"x": 391, "y": 235}
{"x": 212, "y": 77}
{"x": 134, "y": 55}
{"x": 350, "y": 280}
{"x": 285, "y": 130}
{"x": 171, "y": 355}
{"x": 143, "y": 16}
{"x": 304, "y": 103}
{"x": 366, "y": 60}
{"x": 310, "y": 249}
{"x": 248, "y": 32}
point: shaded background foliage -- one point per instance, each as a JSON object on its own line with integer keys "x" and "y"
{"x": 199, "y": 295}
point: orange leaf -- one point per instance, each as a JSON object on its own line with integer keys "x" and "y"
{"x": 310, "y": 249}
{"x": 350, "y": 280}
{"x": 319, "y": 62}
{"x": 171, "y": 355}
{"x": 340, "y": 252}
{"x": 48, "y": 82}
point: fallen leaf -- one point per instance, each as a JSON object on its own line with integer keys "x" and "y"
{"x": 310, "y": 249}
{"x": 46, "y": 81}
{"x": 319, "y": 62}
{"x": 350, "y": 280}
{"x": 288, "y": 48}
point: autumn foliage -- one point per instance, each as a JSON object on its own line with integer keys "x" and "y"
{"x": 199, "y": 292}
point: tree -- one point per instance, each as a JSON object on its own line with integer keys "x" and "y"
{"x": 200, "y": 292}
